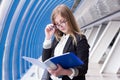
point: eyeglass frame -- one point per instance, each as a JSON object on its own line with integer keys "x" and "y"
{"x": 62, "y": 23}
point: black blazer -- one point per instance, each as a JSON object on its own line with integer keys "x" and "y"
{"x": 81, "y": 50}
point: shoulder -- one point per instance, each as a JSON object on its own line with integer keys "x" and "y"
{"x": 82, "y": 41}
{"x": 80, "y": 37}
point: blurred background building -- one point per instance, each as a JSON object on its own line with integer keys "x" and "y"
{"x": 22, "y": 24}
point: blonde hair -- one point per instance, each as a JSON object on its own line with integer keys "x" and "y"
{"x": 67, "y": 14}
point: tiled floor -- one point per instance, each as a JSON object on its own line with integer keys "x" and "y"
{"x": 93, "y": 73}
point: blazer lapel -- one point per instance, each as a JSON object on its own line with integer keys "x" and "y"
{"x": 69, "y": 42}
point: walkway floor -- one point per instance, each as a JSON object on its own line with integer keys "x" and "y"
{"x": 93, "y": 73}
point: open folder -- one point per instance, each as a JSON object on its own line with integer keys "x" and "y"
{"x": 67, "y": 60}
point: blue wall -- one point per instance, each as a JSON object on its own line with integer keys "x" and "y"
{"x": 22, "y": 33}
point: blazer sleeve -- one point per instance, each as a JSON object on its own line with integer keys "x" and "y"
{"x": 47, "y": 53}
{"x": 82, "y": 51}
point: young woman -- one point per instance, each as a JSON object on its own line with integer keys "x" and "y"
{"x": 67, "y": 38}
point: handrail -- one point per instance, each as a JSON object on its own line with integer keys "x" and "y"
{"x": 103, "y": 19}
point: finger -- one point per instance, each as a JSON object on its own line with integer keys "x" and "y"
{"x": 50, "y": 27}
{"x": 59, "y": 66}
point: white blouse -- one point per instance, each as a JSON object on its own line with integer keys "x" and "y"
{"x": 60, "y": 46}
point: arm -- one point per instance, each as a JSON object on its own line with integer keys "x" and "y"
{"x": 82, "y": 51}
{"x": 49, "y": 31}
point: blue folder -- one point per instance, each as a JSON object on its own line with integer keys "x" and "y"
{"x": 67, "y": 60}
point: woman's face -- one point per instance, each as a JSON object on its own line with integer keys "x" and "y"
{"x": 61, "y": 24}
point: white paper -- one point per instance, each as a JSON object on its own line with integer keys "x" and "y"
{"x": 35, "y": 62}
{"x": 47, "y": 65}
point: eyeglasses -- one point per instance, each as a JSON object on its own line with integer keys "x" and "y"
{"x": 62, "y": 23}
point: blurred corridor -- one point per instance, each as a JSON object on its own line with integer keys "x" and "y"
{"x": 22, "y": 24}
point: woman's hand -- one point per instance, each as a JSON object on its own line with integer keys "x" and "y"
{"x": 49, "y": 31}
{"x": 60, "y": 71}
